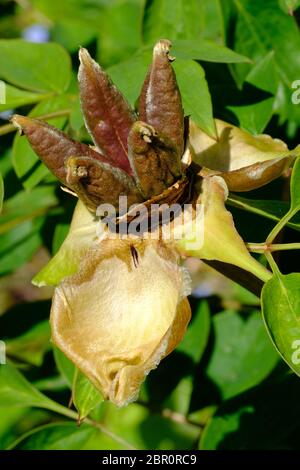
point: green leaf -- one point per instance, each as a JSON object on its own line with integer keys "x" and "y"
{"x": 64, "y": 366}
{"x": 60, "y": 234}
{"x": 129, "y": 75}
{"x": 273, "y": 210}
{"x": 85, "y": 396}
{"x": 58, "y": 436}
{"x": 255, "y": 115}
{"x": 248, "y": 421}
{"x": 172, "y": 19}
{"x": 207, "y": 51}
{"x": 25, "y": 206}
{"x": 72, "y": 33}
{"x": 280, "y": 308}
{"x": 295, "y": 186}
{"x": 20, "y": 244}
{"x": 35, "y": 66}
{"x": 15, "y": 390}
{"x": 195, "y": 94}
{"x": 26, "y": 163}
{"x": 1, "y": 192}
{"x": 220, "y": 427}
{"x": 16, "y": 97}
{"x": 32, "y": 345}
{"x": 192, "y": 348}
{"x": 76, "y": 116}
{"x": 196, "y": 337}
{"x": 242, "y": 355}
{"x": 136, "y": 424}
{"x": 257, "y": 33}
{"x": 212, "y": 20}
{"x": 87, "y": 11}
{"x": 10, "y": 417}
{"x": 120, "y": 34}
{"x": 289, "y": 6}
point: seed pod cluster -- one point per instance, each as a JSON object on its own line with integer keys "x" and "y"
{"x": 138, "y": 156}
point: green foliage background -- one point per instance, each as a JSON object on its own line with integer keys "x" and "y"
{"x": 225, "y": 387}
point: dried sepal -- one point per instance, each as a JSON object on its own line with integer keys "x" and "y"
{"x": 52, "y": 145}
{"x": 119, "y": 316}
{"x": 245, "y": 161}
{"x": 107, "y": 114}
{"x": 98, "y": 183}
{"x": 160, "y": 101}
{"x": 153, "y": 159}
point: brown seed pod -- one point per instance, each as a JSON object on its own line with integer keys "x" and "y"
{"x": 52, "y": 145}
{"x": 97, "y": 182}
{"x": 153, "y": 159}
{"x": 108, "y": 116}
{"x": 256, "y": 175}
{"x": 160, "y": 101}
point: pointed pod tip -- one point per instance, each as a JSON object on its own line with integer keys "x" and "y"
{"x": 162, "y": 47}
{"x": 20, "y": 122}
{"x": 84, "y": 55}
{"x": 144, "y": 130}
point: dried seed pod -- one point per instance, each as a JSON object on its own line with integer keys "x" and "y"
{"x": 160, "y": 102}
{"x": 256, "y": 175}
{"x": 108, "y": 116}
{"x": 246, "y": 162}
{"x": 153, "y": 159}
{"x": 52, "y": 145}
{"x": 97, "y": 182}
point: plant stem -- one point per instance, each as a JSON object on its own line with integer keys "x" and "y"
{"x": 272, "y": 263}
{"x": 263, "y": 247}
{"x": 7, "y": 128}
{"x": 279, "y": 226}
{"x": 106, "y": 431}
{"x": 60, "y": 409}
{"x": 170, "y": 414}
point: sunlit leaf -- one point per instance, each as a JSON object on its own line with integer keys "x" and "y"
{"x": 64, "y": 365}
{"x": 58, "y": 436}
{"x": 206, "y": 50}
{"x": 273, "y": 210}
{"x": 280, "y": 308}
{"x": 172, "y": 19}
{"x": 196, "y": 337}
{"x": 196, "y": 100}
{"x": 295, "y": 186}
{"x": 16, "y": 97}
{"x": 34, "y": 66}
{"x": 240, "y": 344}
{"x": 85, "y": 396}
{"x": 1, "y": 192}
{"x": 15, "y": 390}
{"x": 32, "y": 345}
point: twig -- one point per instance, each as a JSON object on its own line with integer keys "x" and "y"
{"x": 170, "y": 414}
{"x": 263, "y": 247}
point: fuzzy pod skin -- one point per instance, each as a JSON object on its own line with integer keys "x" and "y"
{"x": 98, "y": 183}
{"x": 52, "y": 145}
{"x": 160, "y": 101}
{"x": 153, "y": 159}
{"x": 107, "y": 114}
{"x": 256, "y": 175}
